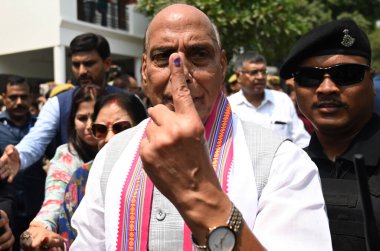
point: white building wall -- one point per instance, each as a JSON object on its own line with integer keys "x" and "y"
{"x": 29, "y": 25}
{"x": 36, "y": 33}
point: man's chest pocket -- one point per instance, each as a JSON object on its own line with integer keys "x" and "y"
{"x": 280, "y": 125}
{"x": 344, "y": 207}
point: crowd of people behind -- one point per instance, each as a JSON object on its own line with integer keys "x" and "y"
{"x": 248, "y": 162}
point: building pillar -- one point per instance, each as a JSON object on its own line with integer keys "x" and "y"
{"x": 59, "y": 64}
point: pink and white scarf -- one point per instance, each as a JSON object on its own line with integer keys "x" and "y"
{"x": 137, "y": 191}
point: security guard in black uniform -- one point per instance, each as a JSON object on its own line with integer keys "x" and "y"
{"x": 334, "y": 89}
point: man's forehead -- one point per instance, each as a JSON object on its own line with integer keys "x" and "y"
{"x": 327, "y": 60}
{"x": 178, "y": 10}
{"x": 180, "y": 19}
{"x": 167, "y": 38}
{"x": 250, "y": 64}
{"x": 191, "y": 36}
{"x": 17, "y": 88}
{"x": 85, "y": 55}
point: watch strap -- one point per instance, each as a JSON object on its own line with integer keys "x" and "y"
{"x": 235, "y": 220}
{"x": 196, "y": 245}
{"x": 234, "y": 223}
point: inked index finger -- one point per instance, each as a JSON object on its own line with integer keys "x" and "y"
{"x": 182, "y": 100}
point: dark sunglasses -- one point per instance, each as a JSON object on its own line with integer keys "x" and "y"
{"x": 100, "y": 131}
{"x": 341, "y": 74}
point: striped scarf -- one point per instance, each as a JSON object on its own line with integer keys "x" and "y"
{"x": 136, "y": 198}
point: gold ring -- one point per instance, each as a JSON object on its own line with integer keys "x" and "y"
{"x": 25, "y": 236}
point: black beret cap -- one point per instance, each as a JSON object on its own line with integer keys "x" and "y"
{"x": 335, "y": 37}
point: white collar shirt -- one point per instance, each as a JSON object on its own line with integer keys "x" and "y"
{"x": 276, "y": 112}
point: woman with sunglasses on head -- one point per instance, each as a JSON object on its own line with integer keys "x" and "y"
{"x": 112, "y": 114}
{"x": 81, "y": 148}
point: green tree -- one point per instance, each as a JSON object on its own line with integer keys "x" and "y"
{"x": 272, "y": 26}
{"x": 268, "y": 26}
{"x": 374, "y": 37}
{"x": 365, "y": 13}
{"x": 370, "y": 9}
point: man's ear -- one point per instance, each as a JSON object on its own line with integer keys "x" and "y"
{"x": 108, "y": 63}
{"x": 144, "y": 82}
{"x": 223, "y": 62}
{"x": 372, "y": 74}
{"x": 238, "y": 74}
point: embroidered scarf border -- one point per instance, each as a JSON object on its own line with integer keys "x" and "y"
{"x": 136, "y": 197}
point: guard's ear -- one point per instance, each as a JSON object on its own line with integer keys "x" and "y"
{"x": 372, "y": 74}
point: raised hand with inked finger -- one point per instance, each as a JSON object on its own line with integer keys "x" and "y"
{"x": 176, "y": 157}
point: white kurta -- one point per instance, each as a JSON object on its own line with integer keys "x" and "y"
{"x": 289, "y": 215}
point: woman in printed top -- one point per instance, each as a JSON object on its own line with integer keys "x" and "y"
{"x": 112, "y": 114}
{"x": 81, "y": 148}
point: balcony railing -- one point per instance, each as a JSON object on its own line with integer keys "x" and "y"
{"x": 107, "y": 13}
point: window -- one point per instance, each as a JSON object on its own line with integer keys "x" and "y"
{"x": 108, "y": 13}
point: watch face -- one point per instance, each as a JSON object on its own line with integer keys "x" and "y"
{"x": 221, "y": 239}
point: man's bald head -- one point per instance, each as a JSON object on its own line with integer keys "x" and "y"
{"x": 185, "y": 30}
{"x": 178, "y": 11}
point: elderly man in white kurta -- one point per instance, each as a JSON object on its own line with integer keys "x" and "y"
{"x": 187, "y": 178}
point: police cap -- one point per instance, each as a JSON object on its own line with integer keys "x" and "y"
{"x": 335, "y": 37}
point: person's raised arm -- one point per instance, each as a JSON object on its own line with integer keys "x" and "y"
{"x": 9, "y": 163}
{"x": 176, "y": 158}
{"x": 32, "y": 147}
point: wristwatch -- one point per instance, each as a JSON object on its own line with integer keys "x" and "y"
{"x": 224, "y": 238}
{"x": 221, "y": 238}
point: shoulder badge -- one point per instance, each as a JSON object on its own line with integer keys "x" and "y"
{"x": 347, "y": 40}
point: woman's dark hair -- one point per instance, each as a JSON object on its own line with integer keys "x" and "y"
{"x": 86, "y": 93}
{"x": 89, "y": 41}
{"x": 129, "y": 102}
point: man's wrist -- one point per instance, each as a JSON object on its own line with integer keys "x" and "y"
{"x": 35, "y": 223}
{"x": 226, "y": 235}
{"x": 197, "y": 245}
{"x": 21, "y": 160}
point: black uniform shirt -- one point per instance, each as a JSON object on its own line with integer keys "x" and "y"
{"x": 340, "y": 187}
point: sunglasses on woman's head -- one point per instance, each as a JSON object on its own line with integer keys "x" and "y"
{"x": 100, "y": 131}
{"x": 341, "y": 74}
